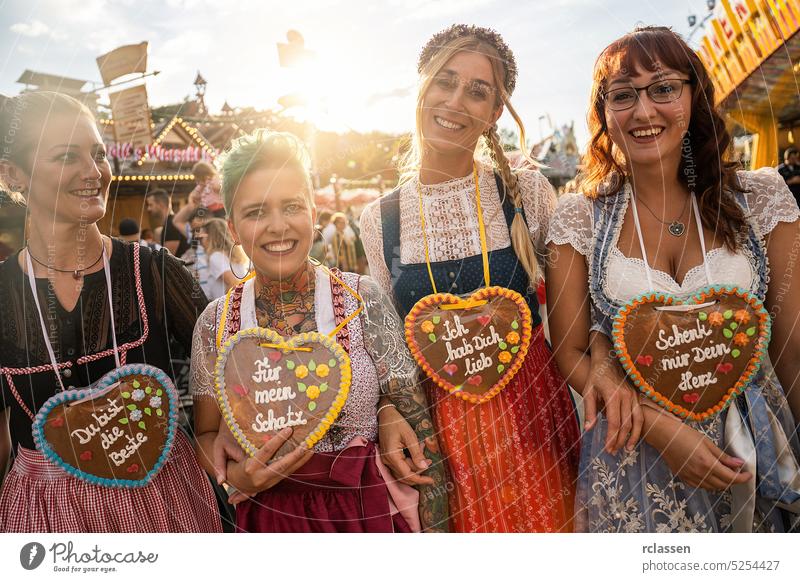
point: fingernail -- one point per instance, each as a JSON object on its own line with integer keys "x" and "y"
{"x": 738, "y": 461}
{"x": 220, "y": 479}
{"x": 285, "y": 431}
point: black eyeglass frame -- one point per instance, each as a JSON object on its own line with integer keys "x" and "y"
{"x": 646, "y": 88}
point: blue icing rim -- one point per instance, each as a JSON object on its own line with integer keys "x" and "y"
{"x": 107, "y": 380}
{"x": 756, "y": 304}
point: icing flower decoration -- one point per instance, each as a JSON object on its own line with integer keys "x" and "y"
{"x": 322, "y": 371}
{"x": 136, "y": 415}
{"x": 741, "y": 316}
{"x": 716, "y": 318}
{"x": 155, "y": 402}
{"x": 312, "y": 392}
{"x": 504, "y": 357}
{"x": 301, "y": 372}
{"x": 138, "y": 395}
{"x": 512, "y": 337}
{"x": 427, "y": 326}
{"x": 741, "y": 339}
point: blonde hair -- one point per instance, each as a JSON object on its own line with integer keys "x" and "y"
{"x": 489, "y": 146}
{"x": 219, "y": 239}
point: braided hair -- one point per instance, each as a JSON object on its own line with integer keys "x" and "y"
{"x": 436, "y": 53}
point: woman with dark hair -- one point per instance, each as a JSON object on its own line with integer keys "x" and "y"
{"x": 663, "y": 211}
{"x": 106, "y": 303}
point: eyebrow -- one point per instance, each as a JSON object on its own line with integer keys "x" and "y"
{"x": 263, "y": 203}
{"x": 657, "y": 75}
{"x": 72, "y": 145}
{"x": 454, "y": 74}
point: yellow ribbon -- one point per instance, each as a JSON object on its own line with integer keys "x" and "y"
{"x": 481, "y": 232}
{"x": 344, "y": 322}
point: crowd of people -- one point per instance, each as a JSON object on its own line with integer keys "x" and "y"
{"x": 660, "y": 210}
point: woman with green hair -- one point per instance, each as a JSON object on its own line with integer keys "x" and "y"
{"x": 268, "y": 198}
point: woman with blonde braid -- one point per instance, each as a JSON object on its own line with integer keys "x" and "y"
{"x": 512, "y": 458}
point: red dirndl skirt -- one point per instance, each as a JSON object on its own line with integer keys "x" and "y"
{"x": 512, "y": 461}
{"x": 37, "y": 496}
{"x": 333, "y": 492}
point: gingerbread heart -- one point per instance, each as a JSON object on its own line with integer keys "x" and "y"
{"x": 692, "y": 357}
{"x": 117, "y": 433}
{"x": 265, "y": 382}
{"x": 479, "y": 342}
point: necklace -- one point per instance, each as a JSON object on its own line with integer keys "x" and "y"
{"x": 676, "y": 227}
{"x": 76, "y": 273}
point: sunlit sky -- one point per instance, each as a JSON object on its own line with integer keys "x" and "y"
{"x": 366, "y": 50}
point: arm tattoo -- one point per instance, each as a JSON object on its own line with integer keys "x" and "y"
{"x": 409, "y": 398}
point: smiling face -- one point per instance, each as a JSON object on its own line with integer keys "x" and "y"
{"x": 648, "y": 132}
{"x": 460, "y": 103}
{"x": 273, "y": 219}
{"x": 67, "y": 174}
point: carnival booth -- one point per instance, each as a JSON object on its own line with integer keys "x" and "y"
{"x": 753, "y": 51}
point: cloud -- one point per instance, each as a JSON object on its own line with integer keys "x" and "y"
{"x": 394, "y": 94}
{"x": 33, "y": 29}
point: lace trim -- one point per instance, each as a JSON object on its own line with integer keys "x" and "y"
{"x": 689, "y": 284}
{"x": 451, "y": 219}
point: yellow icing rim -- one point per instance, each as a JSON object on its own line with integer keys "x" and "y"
{"x": 481, "y": 294}
{"x": 295, "y": 341}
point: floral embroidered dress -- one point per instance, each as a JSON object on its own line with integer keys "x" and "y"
{"x": 357, "y": 494}
{"x": 511, "y": 461}
{"x": 636, "y": 491}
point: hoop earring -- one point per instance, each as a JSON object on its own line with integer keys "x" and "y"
{"x": 230, "y": 264}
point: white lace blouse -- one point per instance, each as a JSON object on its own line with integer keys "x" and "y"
{"x": 769, "y": 201}
{"x": 451, "y": 219}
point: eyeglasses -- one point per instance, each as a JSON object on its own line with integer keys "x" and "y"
{"x": 477, "y": 90}
{"x": 662, "y": 91}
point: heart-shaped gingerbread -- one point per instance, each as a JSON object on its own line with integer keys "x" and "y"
{"x": 692, "y": 357}
{"x": 116, "y": 433}
{"x": 472, "y": 347}
{"x": 265, "y": 382}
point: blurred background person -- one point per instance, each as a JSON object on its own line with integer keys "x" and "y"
{"x": 227, "y": 263}
{"x": 173, "y": 232}
{"x": 208, "y": 186}
{"x": 790, "y": 171}
{"x": 196, "y": 258}
{"x": 343, "y": 247}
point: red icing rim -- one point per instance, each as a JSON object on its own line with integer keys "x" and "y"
{"x": 526, "y": 330}
{"x": 753, "y": 365}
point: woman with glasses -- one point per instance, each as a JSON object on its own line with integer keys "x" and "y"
{"x": 664, "y": 211}
{"x": 460, "y": 218}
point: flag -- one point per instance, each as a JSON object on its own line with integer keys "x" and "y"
{"x": 121, "y": 61}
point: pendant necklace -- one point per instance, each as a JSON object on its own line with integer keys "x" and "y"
{"x": 676, "y": 227}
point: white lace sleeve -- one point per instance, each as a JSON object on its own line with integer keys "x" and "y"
{"x": 384, "y": 337}
{"x": 204, "y": 352}
{"x": 572, "y": 223}
{"x": 539, "y": 201}
{"x": 372, "y": 237}
{"x": 769, "y": 199}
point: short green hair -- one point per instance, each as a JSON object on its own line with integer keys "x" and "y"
{"x": 263, "y": 149}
